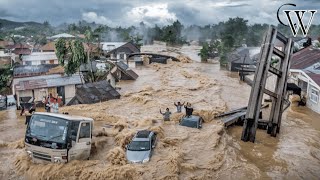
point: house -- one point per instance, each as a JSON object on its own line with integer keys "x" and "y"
{"x": 6, "y": 59}
{"x": 120, "y": 71}
{"x": 242, "y": 56}
{"x": 37, "y": 58}
{"x": 38, "y": 81}
{"x": 305, "y": 72}
{"x": 63, "y": 35}
{"x": 119, "y": 50}
{"x": 20, "y": 49}
{"x": 49, "y": 47}
{"x": 90, "y": 93}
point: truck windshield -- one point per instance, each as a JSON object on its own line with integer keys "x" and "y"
{"x": 139, "y": 146}
{"x": 48, "y": 128}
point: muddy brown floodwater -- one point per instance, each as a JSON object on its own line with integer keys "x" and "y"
{"x": 181, "y": 153}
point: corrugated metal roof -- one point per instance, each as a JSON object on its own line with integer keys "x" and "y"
{"x": 63, "y": 35}
{"x": 305, "y": 58}
{"x": 40, "y": 56}
{"x": 48, "y": 82}
{"x": 32, "y": 70}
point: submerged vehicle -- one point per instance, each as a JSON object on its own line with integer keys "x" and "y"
{"x": 139, "y": 150}
{"x": 3, "y": 102}
{"x": 58, "y": 138}
{"x": 192, "y": 121}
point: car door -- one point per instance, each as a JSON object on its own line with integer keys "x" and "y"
{"x": 81, "y": 149}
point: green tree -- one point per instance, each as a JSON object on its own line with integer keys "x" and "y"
{"x": 236, "y": 29}
{"x": 70, "y": 54}
{"x": 5, "y": 75}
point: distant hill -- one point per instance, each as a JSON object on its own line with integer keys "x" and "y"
{"x": 8, "y": 25}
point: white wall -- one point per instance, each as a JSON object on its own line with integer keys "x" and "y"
{"x": 39, "y": 62}
{"x": 315, "y": 106}
{"x": 70, "y": 91}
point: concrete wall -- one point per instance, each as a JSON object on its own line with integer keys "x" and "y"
{"x": 70, "y": 92}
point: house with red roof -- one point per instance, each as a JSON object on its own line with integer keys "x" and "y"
{"x": 305, "y": 72}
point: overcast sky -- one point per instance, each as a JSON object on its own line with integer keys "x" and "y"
{"x": 161, "y": 12}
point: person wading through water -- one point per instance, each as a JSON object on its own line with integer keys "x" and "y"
{"x": 189, "y": 109}
{"x": 179, "y": 106}
{"x": 166, "y": 115}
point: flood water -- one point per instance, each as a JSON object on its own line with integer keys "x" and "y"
{"x": 181, "y": 153}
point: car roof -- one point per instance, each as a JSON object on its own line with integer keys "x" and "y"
{"x": 64, "y": 116}
{"x": 143, "y": 135}
{"x": 191, "y": 118}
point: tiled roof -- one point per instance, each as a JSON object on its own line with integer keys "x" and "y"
{"x": 305, "y": 58}
{"x": 94, "y": 92}
{"x": 50, "y": 46}
{"x": 315, "y": 77}
{"x": 24, "y": 51}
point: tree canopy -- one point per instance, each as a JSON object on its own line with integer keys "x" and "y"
{"x": 70, "y": 54}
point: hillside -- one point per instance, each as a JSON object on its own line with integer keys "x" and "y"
{"x": 8, "y": 25}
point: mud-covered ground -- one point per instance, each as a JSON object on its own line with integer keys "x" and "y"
{"x": 181, "y": 153}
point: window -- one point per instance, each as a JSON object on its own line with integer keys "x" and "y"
{"x": 74, "y": 130}
{"x": 314, "y": 96}
{"x": 28, "y": 63}
{"x": 43, "y": 62}
{"x": 85, "y": 130}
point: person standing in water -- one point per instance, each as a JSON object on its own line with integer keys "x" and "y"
{"x": 189, "y": 109}
{"x": 54, "y": 106}
{"x": 179, "y": 106}
{"x": 166, "y": 115}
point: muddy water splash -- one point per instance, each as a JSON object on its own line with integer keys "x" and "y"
{"x": 181, "y": 152}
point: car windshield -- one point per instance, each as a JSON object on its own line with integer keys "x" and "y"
{"x": 139, "y": 146}
{"x": 193, "y": 124}
{"x": 48, "y": 128}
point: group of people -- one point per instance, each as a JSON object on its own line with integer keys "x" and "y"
{"x": 51, "y": 104}
{"x": 167, "y": 113}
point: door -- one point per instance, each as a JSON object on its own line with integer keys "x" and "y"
{"x": 81, "y": 149}
{"x": 61, "y": 92}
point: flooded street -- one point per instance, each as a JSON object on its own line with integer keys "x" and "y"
{"x": 212, "y": 152}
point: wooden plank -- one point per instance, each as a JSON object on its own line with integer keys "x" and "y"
{"x": 275, "y": 71}
{"x": 278, "y": 53}
{"x": 233, "y": 118}
{"x": 281, "y": 89}
{"x": 282, "y": 38}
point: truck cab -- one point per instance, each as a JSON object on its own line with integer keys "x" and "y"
{"x": 58, "y": 138}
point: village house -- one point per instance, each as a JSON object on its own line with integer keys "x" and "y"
{"x": 37, "y": 58}
{"x": 120, "y": 71}
{"x": 5, "y": 58}
{"x": 241, "y": 57}
{"x": 63, "y": 35}
{"x": 305, "y": 72}
{"x": 49, "y": 47}
{"x": 119, "y": 50}
{"x": 38, "y": 81}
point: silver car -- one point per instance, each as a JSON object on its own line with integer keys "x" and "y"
{"x": 139, "y": 150}
{"x": 192, "y": 121}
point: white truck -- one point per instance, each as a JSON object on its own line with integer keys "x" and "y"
{"x": 58, "y": 138}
